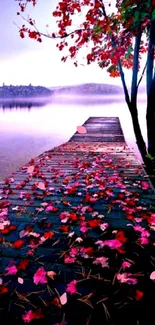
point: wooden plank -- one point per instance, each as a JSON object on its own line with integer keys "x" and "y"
{"x": 94, "y": 178}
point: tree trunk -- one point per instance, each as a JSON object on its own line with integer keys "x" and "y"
{"x": 148, "y": 163}
{"x": 150, "y": 118}
{"x": 137, "y": 130}
{"x": 150, "y": 81}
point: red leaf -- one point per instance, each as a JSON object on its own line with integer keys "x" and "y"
{"x": 4, "y": 204}
{"x": 64, "y": 228}
{"x": 30, "y": 315}
{"x": 121, "y": 237}
{"x": 48, "y": 225}
{"x": 23, "y": 265}
{"x": 29, "y": 228}
{"x": 121, "y": 251}
{"x": 94, "y": 223}
{"x": 12, "y": 227}
{"x": 139, "y": 294}
{"x": 73, "y": 216}
{"x": 18, "y": 244}
{"x": 49, "y": 234}
{"x": 89, "y": 251}
{"x": 5, "y": 231}
{"x": 3, "y": 290}
{"x": 129, "y": 217}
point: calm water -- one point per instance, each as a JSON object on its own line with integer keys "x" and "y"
{"x": 26, "y": 132}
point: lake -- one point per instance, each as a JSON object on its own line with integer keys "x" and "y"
{"x": 27, "y": 130}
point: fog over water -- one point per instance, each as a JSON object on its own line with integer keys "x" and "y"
{"x": 30, "y": 127}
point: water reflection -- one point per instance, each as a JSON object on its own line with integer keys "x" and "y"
{"x": 27, "y": 131}
{"x": 19, "y": 105}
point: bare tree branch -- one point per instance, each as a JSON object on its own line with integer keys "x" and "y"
{"x": 142, "y": 75}
{"x": 56, "y": 36}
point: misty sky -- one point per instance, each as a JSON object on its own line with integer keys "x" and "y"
{"x": 24, "y": 61}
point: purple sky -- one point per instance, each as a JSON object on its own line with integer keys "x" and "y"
{"x": 24, "y": 61}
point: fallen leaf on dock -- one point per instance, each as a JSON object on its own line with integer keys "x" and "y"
{"x": 30, "y": 169}
{"x": 63, "y": 299}
{"x": 81, "y": 129}
{"x": 41, "y": 186}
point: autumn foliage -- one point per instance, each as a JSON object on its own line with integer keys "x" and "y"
{"x": 108, "y": 37}
{"x": 114, "y": 39}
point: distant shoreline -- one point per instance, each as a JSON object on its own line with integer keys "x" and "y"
{"x": 13, "y": 92}
{"x": 40, "y": 93}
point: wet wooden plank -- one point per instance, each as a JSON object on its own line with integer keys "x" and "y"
{"x": 95, "y": 171}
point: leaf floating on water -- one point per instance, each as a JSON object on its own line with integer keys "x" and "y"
{"x": 63, "y": 299}
{"x": 81, "y": 129}
{"x": 41, "y": 186}
{"x": 30, "y": 169}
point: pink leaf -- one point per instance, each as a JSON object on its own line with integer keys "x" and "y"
{"x": 152, "y": 275}
{"x": 11, "y": 270}
{"x": 30, "y": 169}
{"x": 20, "y": 280}
{"x": 23, "y": 233}
{"x": 81, "y": 129}
{"x": 63, "y": 299}
{"x": 101, "y": 260}
{"x": 126, "y": 278}
{"x": 41, "y": 186}
{"x": 71, "y": 287}
{"x": 40, "y": 276}
{"x": 51, "y": 274}
{"x": 30, "y": 315}
{"x": 145, "y": 185}
{"x": 125, "y": 265}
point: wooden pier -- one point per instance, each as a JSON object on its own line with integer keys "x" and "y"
{"x": 77, "y": 243}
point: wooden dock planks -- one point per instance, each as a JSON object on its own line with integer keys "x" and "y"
{"x": 90, "y": 189}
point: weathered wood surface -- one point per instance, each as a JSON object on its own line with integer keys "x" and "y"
{"x": 102, "y": 129}
{"x": 93, "y": 177}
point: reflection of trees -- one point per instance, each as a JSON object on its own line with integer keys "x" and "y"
{"x": 20, "y": 105}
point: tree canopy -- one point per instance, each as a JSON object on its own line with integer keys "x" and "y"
{"x": 108, "y": 37}
{"x": 114, "y": 39}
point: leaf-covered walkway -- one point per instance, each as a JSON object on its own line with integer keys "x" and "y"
{"x": 77, "y": 244}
